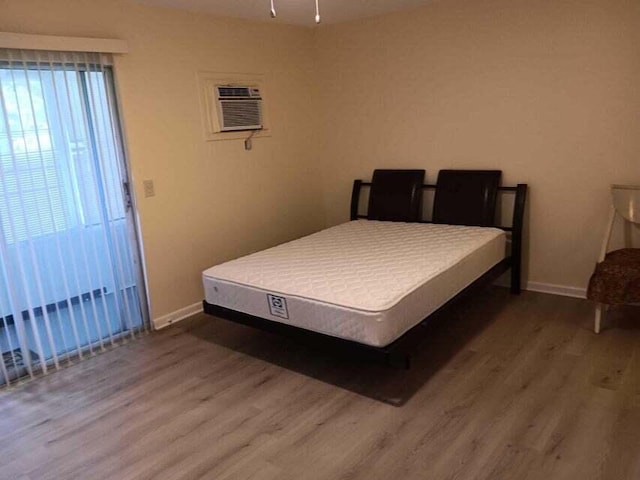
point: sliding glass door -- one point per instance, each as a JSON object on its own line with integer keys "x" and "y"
{"x": 70, "y": 281}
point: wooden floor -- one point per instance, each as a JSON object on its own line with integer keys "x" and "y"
{"x": 505, "y": 387}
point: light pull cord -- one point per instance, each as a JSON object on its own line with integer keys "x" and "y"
{"x": 273, "y": 11}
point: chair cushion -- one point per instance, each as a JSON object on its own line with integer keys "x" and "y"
{"x": 396, "y": 195}
{"x": 616, "y": 280}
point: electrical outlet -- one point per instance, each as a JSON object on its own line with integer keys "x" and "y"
{"x": 149, "y": 189}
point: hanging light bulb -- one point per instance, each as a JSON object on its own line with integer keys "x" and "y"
{"x": 273, "y": 10}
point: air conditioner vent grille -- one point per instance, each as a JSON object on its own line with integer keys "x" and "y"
{"x": 241, "y": 113}
{"x": 233, "y": 91}
{"x": 239, "y": 107}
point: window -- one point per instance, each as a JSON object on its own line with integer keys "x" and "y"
{"x": 55, "y": 129}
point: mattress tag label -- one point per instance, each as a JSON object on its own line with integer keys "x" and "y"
{"x": 278, "y": 306}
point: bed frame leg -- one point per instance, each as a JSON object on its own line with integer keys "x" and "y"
{"x": 515, "y": 280}
{"x": 516, "y": 238}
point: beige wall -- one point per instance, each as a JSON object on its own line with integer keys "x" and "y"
{"x": 546, "y": 90}
{"x": 214, "y": 201}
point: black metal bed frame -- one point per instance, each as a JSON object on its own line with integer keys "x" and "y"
{"x": 397, "y": 353}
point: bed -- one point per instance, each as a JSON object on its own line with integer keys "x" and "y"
{"x": 367, "y": 286}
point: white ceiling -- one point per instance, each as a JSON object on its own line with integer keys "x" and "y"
{"x": 298, "y": 12}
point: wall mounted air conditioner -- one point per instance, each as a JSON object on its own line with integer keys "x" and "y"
{"x": 239, "y": 107}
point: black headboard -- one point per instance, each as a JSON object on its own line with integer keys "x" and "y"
{"x": 460, "y": 194}
{"x": 396, "y": 195}
{"x": 466, "y": 197}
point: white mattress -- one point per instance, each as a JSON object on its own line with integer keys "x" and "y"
{"x": 366, "y": 281}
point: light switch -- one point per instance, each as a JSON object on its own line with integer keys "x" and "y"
{"x": 149, "y": 189}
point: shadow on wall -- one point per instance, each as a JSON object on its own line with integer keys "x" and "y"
{"x": 447, "y": 333}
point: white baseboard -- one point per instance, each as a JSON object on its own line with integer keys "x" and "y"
{"x": 563, "y": 290}
{"x": 176, "y": 316}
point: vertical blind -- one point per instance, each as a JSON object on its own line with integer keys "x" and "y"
{"x": 70, "y": 283}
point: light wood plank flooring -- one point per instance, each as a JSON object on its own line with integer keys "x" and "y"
{"x": 505, "y": 387}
